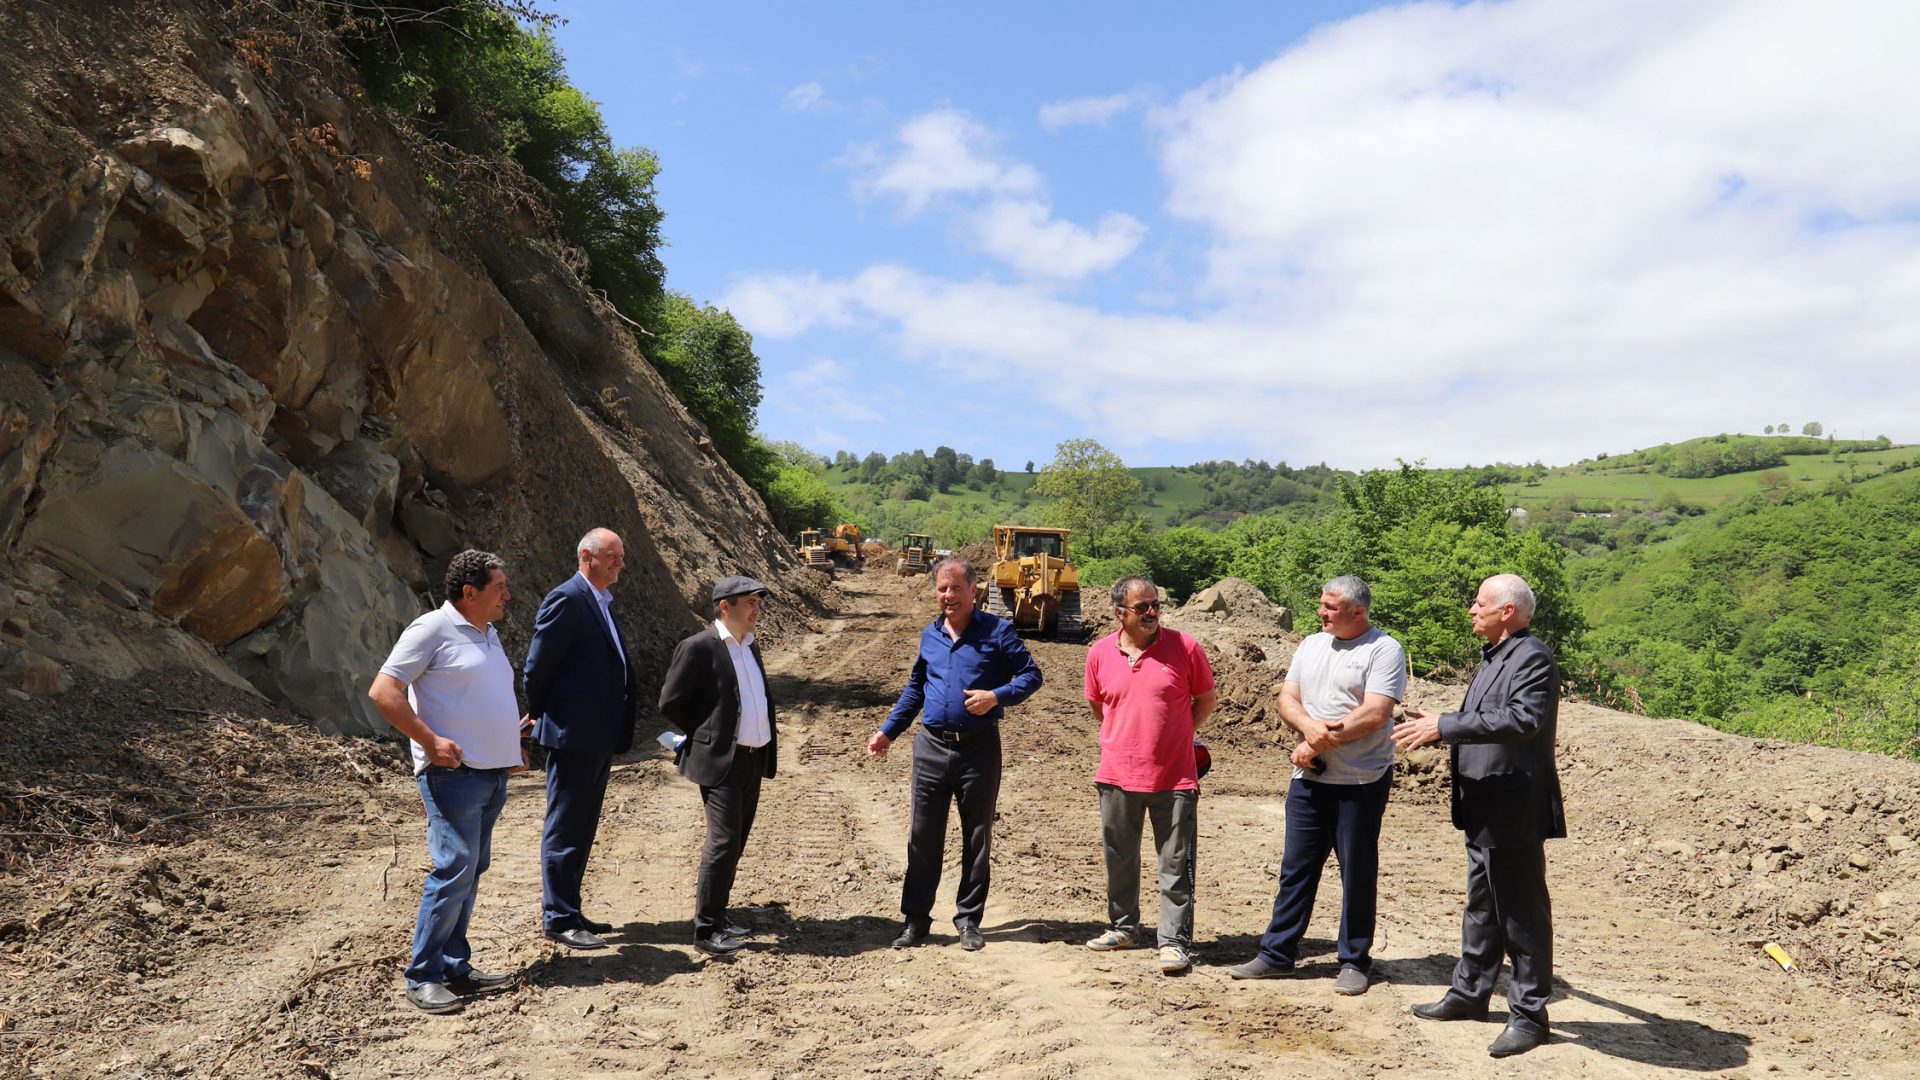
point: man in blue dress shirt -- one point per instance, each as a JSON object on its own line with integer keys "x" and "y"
{"x": 971, "y": 667}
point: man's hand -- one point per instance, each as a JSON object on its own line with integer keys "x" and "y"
{"x": 1303, "y": 755}
{"x": 982, "y": 702}
{"x": 526, "y": 724}
{"x": 1418, "y": 729}
{"x": 877, "y": 746}
{"x": 522, "y": 767}
{"x": 443, "y": 752}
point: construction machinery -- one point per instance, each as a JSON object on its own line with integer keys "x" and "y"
{"x": 813, "y": 551}
{"x": 1032, "y": 582}
{"x": 916, "y": 555}
{"x": 843, "y": 545}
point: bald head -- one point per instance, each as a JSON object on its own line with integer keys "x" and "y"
{"x": 1502, "y": 607}
{"x": 602, "y": 556}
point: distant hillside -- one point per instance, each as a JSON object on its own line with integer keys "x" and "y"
{"x": 1706, "y": 472}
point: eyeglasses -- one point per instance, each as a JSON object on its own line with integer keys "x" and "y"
{"x": 1143, "y": 607}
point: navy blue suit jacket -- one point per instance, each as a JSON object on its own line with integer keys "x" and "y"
{"x": 580, "y": 693}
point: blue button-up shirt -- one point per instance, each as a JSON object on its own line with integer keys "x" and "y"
{"x": 987, "y": 656}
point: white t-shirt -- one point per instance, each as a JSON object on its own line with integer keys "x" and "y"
{"x": 1335, "y": 676}
{"x": 460, "y": 681}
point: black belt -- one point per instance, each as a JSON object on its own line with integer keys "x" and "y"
{"x": 947, "y": 736}
{"x": 761, "y": 749}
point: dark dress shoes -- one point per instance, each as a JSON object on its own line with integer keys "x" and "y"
{"x": 576, "y": 938}
{"x": 1452, "y": 1007}
{"x": 475, "y": 981}
{"x": 911, "y": 936}
{"x": 734, "y": 929}
{"x": 720, "y": 944}
{"x": 971, "y": 939}
{"x": 1516, "y": 1040}
{"x": 1259, "y": 968}
{"x": 433, "y": 998}
{"x": 595, "y": 925}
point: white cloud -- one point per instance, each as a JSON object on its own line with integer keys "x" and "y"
{"x": 1024, "y": 234}
{"x": 1541, "y": 228}
{"x": 823, "y": 389}
{"x": 940, "y": 153}
{"x": 1085, "y": 110}
{"x": 803, "y": 97}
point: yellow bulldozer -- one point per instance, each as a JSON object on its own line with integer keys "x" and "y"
{"x": 843, "y": 545}
{"x": 813, "y": 551}
{"x": 1032, "y": 582}
{"x": 916, "y": 555}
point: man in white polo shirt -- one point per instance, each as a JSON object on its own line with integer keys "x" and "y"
{"x": 448, "y": 686}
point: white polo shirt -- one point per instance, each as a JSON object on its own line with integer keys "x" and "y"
{"x": 460, "y": 682}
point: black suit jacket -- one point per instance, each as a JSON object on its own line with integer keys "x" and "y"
{"x": 1506, "y": 787}
{"x": 700, "y": 697}
{"x": 579, "y": 690}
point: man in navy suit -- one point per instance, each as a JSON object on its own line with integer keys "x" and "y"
{"x": 1506, "y": 799}
{"x": 580, "y": 702}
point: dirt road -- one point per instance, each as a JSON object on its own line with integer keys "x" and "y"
{"x": 1658, "y": 930}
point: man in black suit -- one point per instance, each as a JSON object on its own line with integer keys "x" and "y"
{"x": 580, "y": 704}
{"x": 1506, "y": 799}
{"x": 715, "y": 694}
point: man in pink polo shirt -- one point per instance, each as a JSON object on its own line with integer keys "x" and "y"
{"x": 1149, "y": 688}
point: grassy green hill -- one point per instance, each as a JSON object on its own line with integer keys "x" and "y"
{"x": 1632, "y": 482}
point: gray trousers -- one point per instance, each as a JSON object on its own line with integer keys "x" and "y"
{"x": 1176, "y": 829}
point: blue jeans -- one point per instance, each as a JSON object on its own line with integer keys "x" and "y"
{"x": 1343, "y": 819}
{"x": 461, "y": 804}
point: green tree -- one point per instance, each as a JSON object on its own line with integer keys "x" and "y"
{"x": 1091, "y": 488}
{"x": 1811, "y": 427}
{"x": 946, "y": 468}
{"x": 707, "y": 359}
{"x": 1029, "y": 466}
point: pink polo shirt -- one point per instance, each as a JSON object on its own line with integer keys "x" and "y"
{"x": 1146, "y": 735}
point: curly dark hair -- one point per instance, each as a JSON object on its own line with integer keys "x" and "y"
{"x": 473, "y": 568}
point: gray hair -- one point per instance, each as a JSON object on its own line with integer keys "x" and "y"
{"x": 1511, "y": 589}
{"x": 955, "y": 561}
{"x": 1126, "y": 585}
{"x": 595, "y": 540}
{"x": 1351, "y": 589}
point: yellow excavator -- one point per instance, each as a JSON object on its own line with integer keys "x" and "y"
{"x": 1032, "y": 582}
{"x": 843, "y": 545}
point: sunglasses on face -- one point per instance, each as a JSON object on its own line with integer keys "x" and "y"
{"x": 1143, "y": 607}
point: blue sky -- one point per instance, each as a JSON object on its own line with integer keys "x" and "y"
{"x": 1300, "y": 231}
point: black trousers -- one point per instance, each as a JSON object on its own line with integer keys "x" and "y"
{"x": 1343, "y": 819}
{"x": 731, "y": 805}
{"x": 576, "y": 789}
{"x": 1508, "y": 915}
{"x": 966, "y": 773}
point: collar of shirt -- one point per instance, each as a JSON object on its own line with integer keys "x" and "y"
{"x": 453, "y": 616}
{"x": 1488, "y": 652}
{"x": 726, "y": 635}
{"x": 605, "y": 596}
{"x": 1120, "y": 637}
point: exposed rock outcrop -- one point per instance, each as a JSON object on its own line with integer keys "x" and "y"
{"x": 251, "y": 401}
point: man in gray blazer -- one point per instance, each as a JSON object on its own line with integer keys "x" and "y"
{"x": 1506, "y": 799}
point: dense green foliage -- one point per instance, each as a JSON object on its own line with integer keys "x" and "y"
{"x": 1091, "y": 489}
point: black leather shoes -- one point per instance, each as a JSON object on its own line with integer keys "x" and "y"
{"x": 476, "y": 981}
{"x": 909, "y": 937}
{"x": 576, "y": 938}
{"x": 971, "y": 939}
{"x": 720, "y": 944}
{"x": 433, "y": 998}
{"x": 1452, "y": 1007}
{"x": 1516, "y": 1040}
{"x": 595, "y": 925}
{"x": 734, "y": 929}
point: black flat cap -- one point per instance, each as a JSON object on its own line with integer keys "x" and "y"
{"x": 730, "y": 587}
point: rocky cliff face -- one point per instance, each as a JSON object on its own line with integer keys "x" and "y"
{"x": 255, "y": 387}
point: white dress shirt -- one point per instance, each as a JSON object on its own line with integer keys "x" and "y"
{"x": 755, "y": 728}
{"x": 605, "y": 596}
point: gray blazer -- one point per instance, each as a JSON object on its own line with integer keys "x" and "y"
{"x": 1506, "y": 787}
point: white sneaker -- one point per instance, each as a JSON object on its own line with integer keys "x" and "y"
{"x": 1111, "y": 940}
{"x": 1174, "y": 959}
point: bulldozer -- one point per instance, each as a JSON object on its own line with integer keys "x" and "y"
{"x": 813, "y": 551}
{"x": 843, "y": 545}
{"x": 1032, "y": 582}
{"x": 916, "y": 555}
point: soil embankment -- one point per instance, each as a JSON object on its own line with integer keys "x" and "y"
{"x": 267, "y": 941}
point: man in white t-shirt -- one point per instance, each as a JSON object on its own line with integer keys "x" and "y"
{"x": 448, "y": 686}
{"x": 1339, "y": 695}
